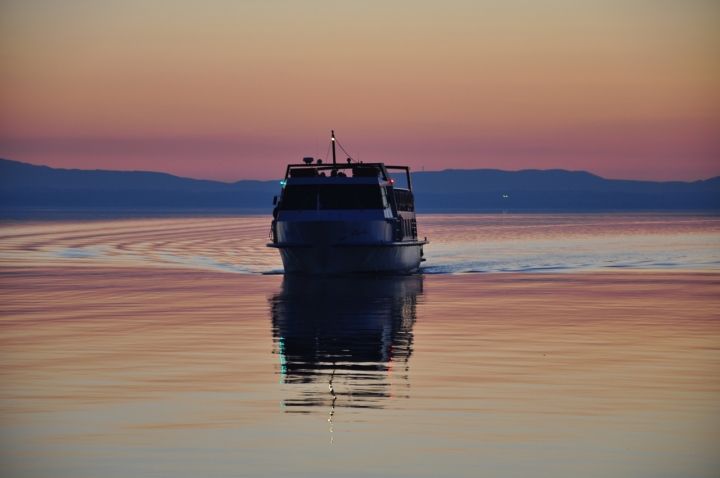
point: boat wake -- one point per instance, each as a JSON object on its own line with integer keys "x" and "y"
{"x": 459, "y": 244}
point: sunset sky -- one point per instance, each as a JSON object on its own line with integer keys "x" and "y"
{"x": 234, "y": 90}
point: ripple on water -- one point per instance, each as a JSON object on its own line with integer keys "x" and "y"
{"x": 472, "y": 243}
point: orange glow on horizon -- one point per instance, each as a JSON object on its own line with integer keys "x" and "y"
{"x": 231, "y": 91}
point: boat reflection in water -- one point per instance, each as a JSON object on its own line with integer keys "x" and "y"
{"x": 344, "y": 341}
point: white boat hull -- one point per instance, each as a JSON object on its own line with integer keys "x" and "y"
{"x": 394, "y": 257}
{"x": 347, "y": 245}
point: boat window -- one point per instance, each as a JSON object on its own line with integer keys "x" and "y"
{"x": 350, "y": 196}
{"x": 332, "y": 196}
{"x": 299, "y": 197}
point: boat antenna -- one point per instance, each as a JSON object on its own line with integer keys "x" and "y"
{"x": 350, "y": 158}
{"x": 333, "y": 145}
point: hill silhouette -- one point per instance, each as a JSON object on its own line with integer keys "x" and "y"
{"x": 28, "y": 186}
{"x": 557, "y": 189}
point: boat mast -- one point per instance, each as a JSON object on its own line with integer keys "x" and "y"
{"x": 333, "y": 143}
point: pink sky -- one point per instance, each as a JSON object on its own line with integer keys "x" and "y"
{"x": 235, "y": 90}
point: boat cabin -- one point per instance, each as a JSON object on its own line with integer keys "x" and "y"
{"x": 355, "y": 191}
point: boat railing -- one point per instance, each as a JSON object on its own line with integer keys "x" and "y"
{"x": 272, "y": 235}
{"x": 404, "y": 200}
{"x": 363, "y": 170}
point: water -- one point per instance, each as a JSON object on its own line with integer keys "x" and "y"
{"x": 459, "y": 243}
{"x": 524, "y": 243}
{"x": 155, "y": 347}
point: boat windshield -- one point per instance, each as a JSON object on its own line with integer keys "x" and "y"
{"x": 331, "y": 196}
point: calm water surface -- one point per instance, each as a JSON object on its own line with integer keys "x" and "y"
{"x": 134, "y": 348}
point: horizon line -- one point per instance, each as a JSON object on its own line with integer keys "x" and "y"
{"x": 413, "y": 172}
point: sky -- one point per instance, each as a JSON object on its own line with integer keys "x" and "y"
{"x": 231, "y": 90}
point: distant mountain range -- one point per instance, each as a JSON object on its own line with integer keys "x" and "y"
{"x": 27, "y": 186}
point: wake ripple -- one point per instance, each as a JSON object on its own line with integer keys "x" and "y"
{"x": 459, "y": 244}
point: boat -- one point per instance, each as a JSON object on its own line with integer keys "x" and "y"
{"x": 346, "y": 218}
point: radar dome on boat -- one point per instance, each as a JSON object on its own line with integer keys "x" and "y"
{"x": 308, "y": 160}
